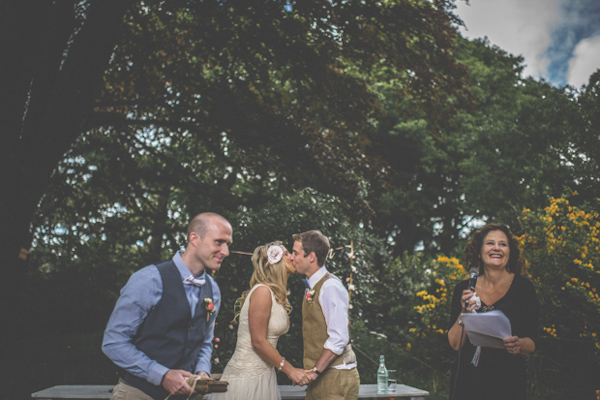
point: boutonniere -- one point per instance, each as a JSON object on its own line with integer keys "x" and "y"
{"x": 309, "y": 296}
{"x": 210, "y": 307}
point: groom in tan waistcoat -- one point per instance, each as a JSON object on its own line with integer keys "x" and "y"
{"x": 325, "y": 326}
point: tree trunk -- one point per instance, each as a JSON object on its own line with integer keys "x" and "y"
{"x": 53, "y": 58}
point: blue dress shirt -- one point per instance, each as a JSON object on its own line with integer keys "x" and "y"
{"x": 141, "y": 293}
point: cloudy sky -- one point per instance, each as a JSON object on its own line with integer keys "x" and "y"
{"x": 559, "y": 39}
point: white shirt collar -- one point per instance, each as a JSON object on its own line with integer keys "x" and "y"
{"x": 316, "y": 277}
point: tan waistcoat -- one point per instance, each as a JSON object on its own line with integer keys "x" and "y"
{"x": 314, "y": 329}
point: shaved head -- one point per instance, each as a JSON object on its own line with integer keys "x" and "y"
{"x": 201, "y": 223}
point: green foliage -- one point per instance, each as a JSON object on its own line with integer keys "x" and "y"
{"x": 562, "y": 243}
{"x": 282, "y": 87}
{"x": 518, "y": 143}
{"x": 588, "y": 140}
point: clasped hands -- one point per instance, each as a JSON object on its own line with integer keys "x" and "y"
{"x": 301, "y": 377}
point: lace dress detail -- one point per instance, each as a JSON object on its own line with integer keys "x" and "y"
{"x": 249, "y": 376}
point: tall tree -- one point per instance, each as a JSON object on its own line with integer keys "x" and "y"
{"x": 54, "y": 56}
{"x": 257, "y": 92}
{"x": 525, "y": 143}
{"x": 587, "y": 139}
{"x": 519, "y": 143}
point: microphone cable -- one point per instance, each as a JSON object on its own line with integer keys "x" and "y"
{"x": 462, "y": 332}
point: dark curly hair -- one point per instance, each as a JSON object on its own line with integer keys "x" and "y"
{"x": 516, "y": 261}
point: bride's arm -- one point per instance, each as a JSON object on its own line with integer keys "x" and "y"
{"x": 259, "y": 312}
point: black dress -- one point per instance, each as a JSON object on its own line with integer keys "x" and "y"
{"x": 499, "y": 375}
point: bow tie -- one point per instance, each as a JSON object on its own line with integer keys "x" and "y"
{"x": 306, "y": 283}
{"x": 191, "y": 280}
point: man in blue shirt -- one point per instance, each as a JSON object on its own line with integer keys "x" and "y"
{"x": 162, "y": 327}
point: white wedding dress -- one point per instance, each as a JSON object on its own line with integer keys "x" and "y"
{"x": 249, "y": 376}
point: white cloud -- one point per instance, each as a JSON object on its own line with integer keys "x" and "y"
{"x": 584, "y": 62}
{"x": 520, "y": 27}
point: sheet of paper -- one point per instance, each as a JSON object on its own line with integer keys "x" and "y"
{"x": 487, "y": 329}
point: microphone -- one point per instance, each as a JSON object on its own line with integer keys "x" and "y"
{"x": 473, "y": 274}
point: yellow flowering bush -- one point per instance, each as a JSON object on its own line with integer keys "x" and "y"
{"x": 433, "y": 303}
{"x": 562, "y": 244}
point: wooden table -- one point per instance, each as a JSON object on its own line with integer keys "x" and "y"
{"x": 366, "y": 391}
{"x": 288, "y": 392}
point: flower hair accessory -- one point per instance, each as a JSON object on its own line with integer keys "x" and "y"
{"x": 274, "y": 253}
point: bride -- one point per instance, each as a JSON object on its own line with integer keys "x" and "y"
{"x": 263, "y": 318}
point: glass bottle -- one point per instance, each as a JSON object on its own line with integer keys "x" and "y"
{"x": 382, "y": 376}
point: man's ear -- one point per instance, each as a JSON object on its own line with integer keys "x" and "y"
{"x": 193, "y": 239}
{"x": 313, "y": 257}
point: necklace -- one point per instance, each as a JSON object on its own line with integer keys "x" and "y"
{"x": 486, "y": 308}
